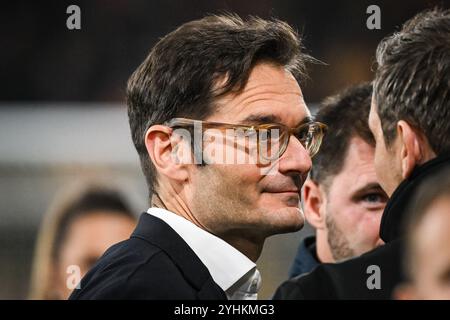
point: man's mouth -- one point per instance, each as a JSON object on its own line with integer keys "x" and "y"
{"x": 286, "y": 187}
{"x": 290, "y": 193}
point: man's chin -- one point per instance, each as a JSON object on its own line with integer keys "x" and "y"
{"x": 288, "y": 219}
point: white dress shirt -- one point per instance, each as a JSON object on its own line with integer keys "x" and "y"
{"x": 231, "y": 270}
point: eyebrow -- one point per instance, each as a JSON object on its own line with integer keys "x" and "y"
{"x": 269, "y": 118}
{"x": 367, "y": 188}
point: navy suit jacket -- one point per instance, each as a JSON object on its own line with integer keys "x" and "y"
{"x": 155, "y": 263}
{"x": 306, "y": 259}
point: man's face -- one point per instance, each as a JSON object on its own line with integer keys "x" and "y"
{"x": 386, "y": 165}
{"x": 235, "y": 200}
{"x": 431, "y": 253}
{"x": 354, "y": 203}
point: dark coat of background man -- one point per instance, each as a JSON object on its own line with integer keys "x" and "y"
{"x": 208, "y": 222}
{"x": 343, "y": 200}
{"x": 410, "y": 120}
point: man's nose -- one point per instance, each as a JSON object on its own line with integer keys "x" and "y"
{"x": 296, "y": 158}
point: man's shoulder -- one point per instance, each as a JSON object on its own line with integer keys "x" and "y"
{"x": 371, "y": 276}
{"x": 132, "y": 269}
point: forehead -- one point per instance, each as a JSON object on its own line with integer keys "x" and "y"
{"x": 270, "y": 91}
{"x": 92, "y": 231}
{"x": 359, "y": 152}
{"x": 358, "y": 168}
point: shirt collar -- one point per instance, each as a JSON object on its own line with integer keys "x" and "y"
{"x": 226, "y": 264}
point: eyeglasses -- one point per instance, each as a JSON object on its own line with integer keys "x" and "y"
{"x": 272, "y": 138}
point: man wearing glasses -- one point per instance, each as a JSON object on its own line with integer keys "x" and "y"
{"x": 225, "y": 141}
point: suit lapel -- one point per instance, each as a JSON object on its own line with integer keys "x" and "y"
{"x": 160, "y": 234}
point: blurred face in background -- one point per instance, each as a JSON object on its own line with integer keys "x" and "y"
{"x": 349, "y": 214}
{"x": 430, "y": 255}
{"x": 86, "y": 240}
{"x": 355, "y": 204}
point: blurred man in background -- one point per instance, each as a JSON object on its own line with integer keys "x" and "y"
{"x": 427, "y": 261}
{"x": 343, "y": 200}
{"x": 410, "y": 121}
{"x": 81, "y": 224}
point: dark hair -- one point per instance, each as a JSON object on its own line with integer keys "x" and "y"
{"x": 412, "y": 81}
{"x": 433, "y": 188}
{"x": 346, "y": 115}
{"x": 89, "y": 201}
{"x": 180, "y": 75}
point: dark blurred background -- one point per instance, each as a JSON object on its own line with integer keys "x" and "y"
{"x": 42, "y": 60}
{"x": 62, "y": 113}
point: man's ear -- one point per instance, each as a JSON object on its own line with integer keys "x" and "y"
{"x": 411, "y": 153}
{"x": 313, "y": 199}
{"x": 163, "y": 152}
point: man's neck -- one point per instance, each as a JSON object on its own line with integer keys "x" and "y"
{"x": 322, "y": 248}
{"x": 175, "y": 205}
{"x": 249, "y": 246}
